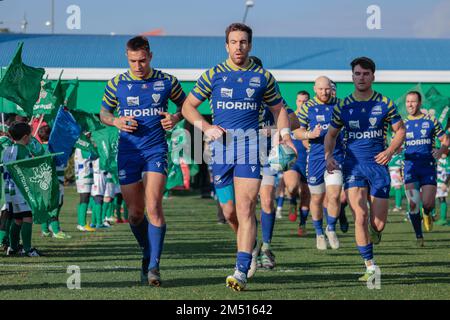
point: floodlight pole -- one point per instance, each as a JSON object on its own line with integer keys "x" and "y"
{"x": 248, "y": 5}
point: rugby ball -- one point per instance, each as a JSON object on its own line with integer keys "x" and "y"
{"x": 282, "y": 157}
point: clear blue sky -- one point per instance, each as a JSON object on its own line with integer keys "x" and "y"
{"x": 335, "y": 18}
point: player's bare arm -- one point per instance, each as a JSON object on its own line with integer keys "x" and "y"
{"x": 127, "y": 123}
{"x": 384, "y": 157}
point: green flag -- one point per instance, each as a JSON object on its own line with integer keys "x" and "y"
{"x": 107, "y": 141}
{"x": 71, "y": 94}
{"x": 37, "y": 181}
{"x": 87, "y": 121}
{"x": 21, "y": 83}
{"x": 438, "y": 106}
{"x": 44, "y": 105}
{"x": 85, "y": 144}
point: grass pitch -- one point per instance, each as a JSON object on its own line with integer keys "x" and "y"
{"x": 199, "y": 254}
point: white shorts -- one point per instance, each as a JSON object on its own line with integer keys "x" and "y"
{"x": 442, "y": 190}
{"x": 111, "y": 189}
{"x": 331, "y": 179}
{"x": 99, "y": 186}
{"x": 396, "y": 177}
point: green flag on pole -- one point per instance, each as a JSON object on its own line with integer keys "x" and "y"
{"x": 87, "y": 121}
{"x": 37, "y": 181}
{"x": 44, "y": 105}
{"x": 107, "y": 142}
{"x": 21, "y": 84}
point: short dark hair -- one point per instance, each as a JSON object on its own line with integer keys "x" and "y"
{"x": 256, "y": 60}
{"x": 44, "y": 133}
{"x": 304, "y": 92}
{"x": 417, "y": 93}
{"x": 364, "y": 62}
{"x": 18, "y": 130}
{"x": 138, "y": 43}
{"x": 238, "y": 27}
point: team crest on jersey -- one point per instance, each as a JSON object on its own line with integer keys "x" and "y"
{"x": 410, "y": 135}
{"x": 144, "y": 86}
{"x": 354, "y": 124}
{"x": 377, "y": 110}
{"x": 350, "y": 111}
{"x": 129, "y": 86}
{"x": 327, "y": 109}
{"x": 425, "y": 125}
{"x": 156, "y": 97}
{"x": 255, "y": 82}
{"x": 423, "y": 132}
{"x": 250, "y": 92}
{"x": 373, "y": 121}
{"x": 226, "y": 93}
{"x": 132, "y": 101}
{"x": 158, "y": 86}
{"x": 363, "y": 110}
{"x": 240, "y": 80}
{"x": 320, "y": 118}
{"x": 416, "y": 125}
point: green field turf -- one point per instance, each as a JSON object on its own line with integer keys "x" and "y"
{"x": 199, "y": 254}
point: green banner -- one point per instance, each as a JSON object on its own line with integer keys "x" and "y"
{"x": 21, "y": 83}
{"x": 37, "y": 181}
{"x": 44, "y": 104}
{"x": 106, "y": 141}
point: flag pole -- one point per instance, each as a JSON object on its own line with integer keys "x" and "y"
{"x": 39, "y": 125}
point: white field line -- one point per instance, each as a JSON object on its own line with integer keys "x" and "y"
{"x": 279, "y": 270}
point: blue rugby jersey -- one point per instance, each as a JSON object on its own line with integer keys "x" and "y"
{"x": 421, "y": 134}
{"x": 366, "y": 124}
{"x": 236, "y": 95}
{"x": 143, "y": 99}
{"x": 312, "y": 113}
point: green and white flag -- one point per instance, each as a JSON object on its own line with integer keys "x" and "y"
{"x": 44, "y": 105}
{"x": 21, "y": 84}
{"x": 37, "y": 181}
{"x": 107, "y": 141}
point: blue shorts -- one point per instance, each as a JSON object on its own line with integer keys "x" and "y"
{"x": 131, "y": 166}
{"x": 373, "y": 176}
{"x": 420, "y": 172}
{"x": 300, "y": 167}
{"x": 223, "y": 174}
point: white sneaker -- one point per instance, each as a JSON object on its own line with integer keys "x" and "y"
{"x": 237, "y": 282}
{"x": 254, "y": 263}
{"x": 321, "y": 242}
{"x": 332, "y": 239}
{"x": 278, "y": 213}
{"x": 81, "y": 228}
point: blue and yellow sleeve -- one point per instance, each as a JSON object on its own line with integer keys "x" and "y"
{"x": 272, "y": 95}
{"x": 393, "y": 116}
{"x": 438, "y": 132}
{"x": 203, "y": 88}
{"x": 109, "y": 101}
{"x": 302, "y": 116}
{"x": 336, "y": 119}
{"x": 177, "y": 94}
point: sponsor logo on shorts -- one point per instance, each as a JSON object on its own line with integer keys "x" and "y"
{"x": 158, "y": 164}
{"x": 253, "y": 168}
{"x": 226, "y": 93}
{"x": 132, "y": 101}
{"x": 217, "y": 179}
{"x": 312, "y": 179}
{"x": 351, "y": 179}
{"x": 122, "y": 174}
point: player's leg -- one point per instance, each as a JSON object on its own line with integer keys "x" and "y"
{"x": 246, "y": 191}
{"x": 413, "y": 196}
{"x": 267, "y": 195}
{"x": 333, "y": 184}
{"x": 343, "y": 221}
{"x": 428, "y": 204}
{"x": 14, "y": 233}
{"x": 357, "y": 198}
{"x": 280, "y": 196}
{"x": 154, "y": 185}
{"x": 225, "y": 192}
{"x": 305, "y": 199}
{"x": 316, "y": 184}
{"x": 26, "y": 233}
{"x": 291, "y": 181}
{"x": 441, "y": 195}
{"x": 5, "y": 225}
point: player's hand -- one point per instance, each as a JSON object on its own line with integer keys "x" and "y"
{"x": 437, "y": 153}
{"x": 214, "y": 132}
{"x": 287, "y": 140}
{"x": 332, "y": 164}
{"x": 169, "y": 120}
{"x": 384, "y": 157}
{"x": 316, "y": 132}
{"x": 127, "y": 124}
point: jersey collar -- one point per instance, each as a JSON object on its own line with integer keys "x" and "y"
{"x": 370, "y": 99}
{"x": 317, "y": 101}
{"x": 133, "y": 77}
{"x": 232, "y": 66}
{"x": 420, "y": 116}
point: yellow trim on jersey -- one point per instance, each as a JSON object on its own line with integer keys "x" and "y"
{"x": 372, "y": 97}
{"x": 133, "y": 77}
{"x": 234, "y": 67}
{"x": 411, "y": 117}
